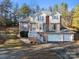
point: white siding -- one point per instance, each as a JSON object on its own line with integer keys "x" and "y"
{"x": 24, "y": 27}
{"x": 57, "y": 27}
{"x": 52, "y": 20}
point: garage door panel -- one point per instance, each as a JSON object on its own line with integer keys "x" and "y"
{"x": 55, "y": 37}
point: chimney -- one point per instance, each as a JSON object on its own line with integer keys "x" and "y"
{"x": 47, "y": 23}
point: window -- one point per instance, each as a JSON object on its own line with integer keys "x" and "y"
{"x": 54, "y": 26}
{"x": 24, "y": 27}
{"x": 33, "y": 27}
{"x": 55, "y": 17}
{"x": 40, "y": 18}
{"x": 41, "y": 26}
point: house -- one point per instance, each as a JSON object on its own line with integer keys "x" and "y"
{"x": 47, "y": 26}
{"x": 46, "y": 21}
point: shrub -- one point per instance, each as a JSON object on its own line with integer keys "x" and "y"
{"x": 24, "y": 34}
{"x": 2, "y": 39}
{"x": 9, "y": 36}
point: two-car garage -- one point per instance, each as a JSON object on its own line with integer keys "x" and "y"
{"x": 68, "y": 36}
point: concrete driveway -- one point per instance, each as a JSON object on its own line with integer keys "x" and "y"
{"x": 43, "y": 51}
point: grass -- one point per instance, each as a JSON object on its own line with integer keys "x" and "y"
{"x": 11, "y": 37}
{"x": 11, "y": 43}
{"x": 12, "y": 46}
{"x": 9, "y": 46}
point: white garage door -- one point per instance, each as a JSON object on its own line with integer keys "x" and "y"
{"x": 55, "y": 37}
{"x": 68, "y": 37}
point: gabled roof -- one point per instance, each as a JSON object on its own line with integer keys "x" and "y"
{"x": 33, "y": 16}
{"x": 41, "y": 12}
{"x": 27, "y": 19}
{"x": 46, "y": 12}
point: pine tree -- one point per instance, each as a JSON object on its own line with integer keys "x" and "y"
{"x": 24, "y": 10}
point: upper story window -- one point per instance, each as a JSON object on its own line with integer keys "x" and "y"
{"x": 40, "y": 18}
{"x": 55, "y": 17}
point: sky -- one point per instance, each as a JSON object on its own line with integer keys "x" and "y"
{"x": 46, "y": 3}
